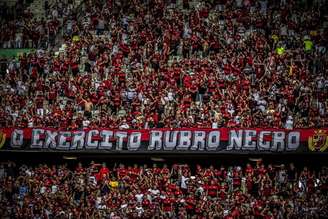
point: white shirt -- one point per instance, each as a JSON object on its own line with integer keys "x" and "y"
{"x": 98, "y": 202}
{"x": 154, "y": 192}
{"x": 54, "y": 189}
{"x": 114, "y": 50}
{"x": 42, "y": 189}
{"x": 124, "y": 126}
{"x": 124, "y": 205}
{"x": 256, "y": 96}
{"x": 30, "y": 124}
{"x": 140, "y": 210}
{"x": 200, "y": 190}
{"x": 170, "y": 96}
{"x": 184, "y": 182}
{"x": 289, "y": 123}
{"x": 186, "y": 32}
{"x": 139, "y": 197}
{"x": 86, "y": 123}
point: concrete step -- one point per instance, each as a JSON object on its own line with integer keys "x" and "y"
{"x": 37, "y": 8}
{"x": 10, "y": 3}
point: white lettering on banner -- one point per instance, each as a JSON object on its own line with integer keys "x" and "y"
{"x": 278, "y": 143}
{"x": 92, "y": 144}
{"x": 63, "y": 142}
{"x": 105, "y": 144}
{"x": 293, "y": 141}
{"x": 262, "y": 144}
{"x": 120, "y": 136}
{"x": 235, "y": 140}
{"x": 50, "y": 141}
{"x": 36, "y": 141}
{"x": 249, "y": 144}
{"x": 170, "y": 140}
{"x": 134, "y": 141}
{"x": 185, "y": 140}
{"x": 213, "y": 140}
{"x": 17, "y": 138}
{"x": 198, "y": 141}
{"x": 155, "y": 140}
{"x": 78, "y": 140}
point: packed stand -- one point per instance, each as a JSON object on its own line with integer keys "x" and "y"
{"x": 96, "y": 191}
{"x": 154, "y": 64}
{"x": 23, "y": 29}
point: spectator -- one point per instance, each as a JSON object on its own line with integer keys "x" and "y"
{"x": 147, "y": 65}
{"x": 158, "y": 192}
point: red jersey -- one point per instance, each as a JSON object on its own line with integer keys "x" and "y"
{"x": 168, "y": 204}
{"x": 121, "y": 172}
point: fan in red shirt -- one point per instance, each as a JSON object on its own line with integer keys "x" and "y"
{"x": 121, "y": 172}
{"x": 103, "y": 172}
{"x": 168, "y": 204}
{"x": 212, "y": 189}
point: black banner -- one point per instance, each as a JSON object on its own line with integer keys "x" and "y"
{"x": 222, "y": 140}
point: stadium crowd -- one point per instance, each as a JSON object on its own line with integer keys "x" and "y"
{"x": 158, "y": 63}
{"x": 219, "y": 63}
{"x": 96, "y": 191}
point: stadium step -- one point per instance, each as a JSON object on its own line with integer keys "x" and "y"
{"x": 37, "y": 8}
{"x": 10, "y": 3}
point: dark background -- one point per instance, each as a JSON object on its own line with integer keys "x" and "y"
{"x": 314, "y": 161}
